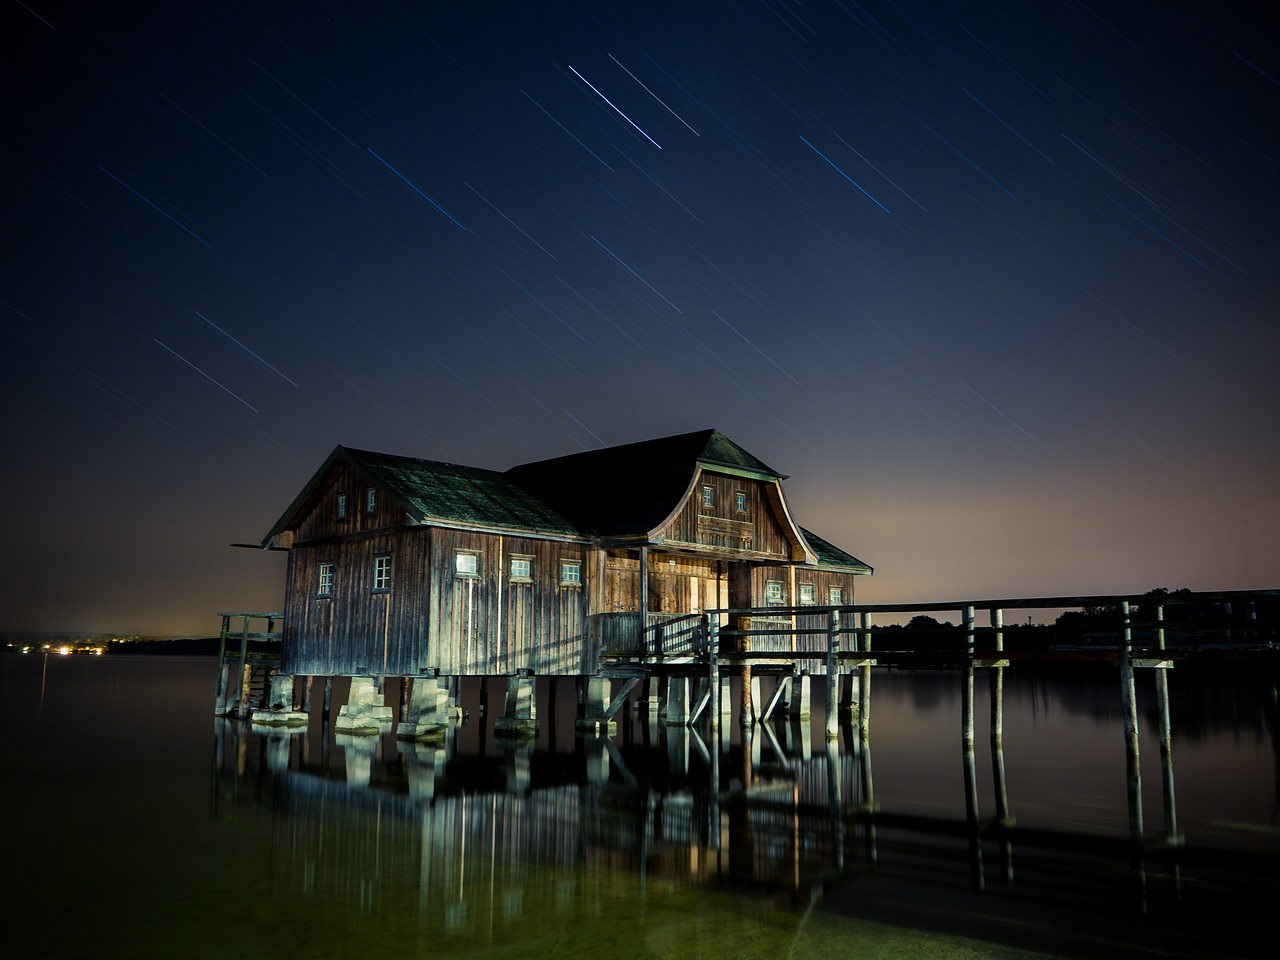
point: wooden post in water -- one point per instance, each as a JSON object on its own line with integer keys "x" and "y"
{"x": 328, "y": 699}
{"x": 997, "y": 723}
{"x": 833, "y": 676}
{"x": 970, "y": 761}
{"x": 242, "y": 695}
{"x": 744, "y": 645}
{"x": 1166, "y": 738}
{"x": 864, "y": 727}
{"x": 220, "y": 684}
{"x": 1133, "y": 769}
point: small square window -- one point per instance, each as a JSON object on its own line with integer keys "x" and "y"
{"x": 466, "y": 564}
{"x": 773, "y": 592}
{"x": 708, "y": 496}
{"x": 806, "y": 593}
{"x": 740, "y": 502}
{"x": 342, "y": 506}
{"x": 521, "y": 568}
{"x": 835, "y": 596}
{"x": 382, "y": 572}
{"x": 324, "y": 580}
{"x": 570, "y": 573}
{"x": 370, "y": 500}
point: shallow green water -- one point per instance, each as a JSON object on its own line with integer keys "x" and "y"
{"x": 137, "y": 826}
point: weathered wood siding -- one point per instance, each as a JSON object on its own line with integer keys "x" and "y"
{"x": 794, "y": 579}
{"x": 755, "y": 530}
{"x": 677, "y": 584}
{"x": 357, "y": 629}
{"x": 490, "y": 624}
{"x": 320, "y": 514}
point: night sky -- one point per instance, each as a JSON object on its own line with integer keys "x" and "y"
{"x": 995, "y": 283}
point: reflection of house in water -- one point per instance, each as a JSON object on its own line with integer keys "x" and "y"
{"x": 514, "y": 831}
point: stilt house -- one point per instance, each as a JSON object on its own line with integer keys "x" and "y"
{"x": 400, "y": 566}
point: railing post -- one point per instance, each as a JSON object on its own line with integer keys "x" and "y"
{"x": 711, "y": 625}
{"x": 833, "y": 675}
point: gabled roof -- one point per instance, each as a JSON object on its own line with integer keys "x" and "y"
{"x": 430, "y": 491}
{"x": 632, "y": 489}
{"x": 621, "y": 491}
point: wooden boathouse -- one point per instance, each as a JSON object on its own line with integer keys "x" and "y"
{"x": 597, "y": 563}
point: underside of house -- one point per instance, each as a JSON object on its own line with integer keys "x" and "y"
{"x": 403, "y": 567}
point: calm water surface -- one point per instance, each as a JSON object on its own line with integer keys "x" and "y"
{"x": 135, "y": 825}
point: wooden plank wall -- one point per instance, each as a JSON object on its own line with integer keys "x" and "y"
{"x": 322, "y": 521}
{"x": 357, "y": 630}
{"x": 489, "y": 625}
{"x": 756, "y": 530}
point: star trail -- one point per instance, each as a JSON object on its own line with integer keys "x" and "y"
{"x": 994, "y": 283}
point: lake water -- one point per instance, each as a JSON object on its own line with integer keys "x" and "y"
{"x": 137, "y": 825}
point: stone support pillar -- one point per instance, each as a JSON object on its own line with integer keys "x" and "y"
{"x": 520, "y": 714}
{"x": 364, "y": 712}
{"x": 596, "y": 698}
{"x": 799, "y": 702}
{"x": 677, "y": 712}
{"x": 279, "y": 711}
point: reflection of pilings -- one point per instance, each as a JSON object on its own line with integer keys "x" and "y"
{"x": 833, "y": 802}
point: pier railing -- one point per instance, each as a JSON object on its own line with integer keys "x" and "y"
{"x": 1146, "y": 627}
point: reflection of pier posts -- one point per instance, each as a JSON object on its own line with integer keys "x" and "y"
{"x": 833, "y": 801}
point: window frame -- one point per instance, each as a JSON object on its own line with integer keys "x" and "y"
{"x": 708, "y": 496}
{"x": 781, "y": 589}
{"x": 382, "y": 569}
{"x": 472, "y": 574}
{"x": 371, "y": 500}
{"x": 740, "y": 501}
{"x": 527, "y": 576}
{"x": 801, "y": 590}
{"x": 576, "y": 567}
{"x": 835, "y": 596}
{"x": 342, "y": 505}
{"x": 324, "y": 580}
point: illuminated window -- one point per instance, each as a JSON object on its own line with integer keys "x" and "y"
{"x": 773, "y": 592}
{"x": 570, "y": 573}
{"x": 835, "y": 596}
{"x": 806, "y": 593}
{"x": 466, "y": 564}
{"x": 708, "y": 496}
{"x": 521, "y": 568}
{"x": 324, "y": 580}
{"x": 370, "y": 500}
{"x": 382, "y": 572}
{"x": 740, "y": 502}
{"x": 342, "y": 506}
